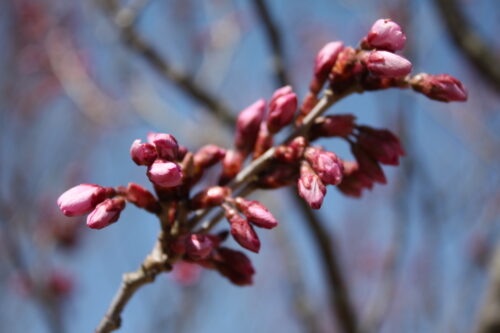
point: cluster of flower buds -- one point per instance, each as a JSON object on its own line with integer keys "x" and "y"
{"x": 174, "y": 170}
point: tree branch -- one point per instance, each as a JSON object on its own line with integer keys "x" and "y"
{"x": 475, "y": 49}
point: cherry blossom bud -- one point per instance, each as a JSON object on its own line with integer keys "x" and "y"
{"x": 142, "y": 198}
{"x": 186, "y": 273}
{"x": 281, "y": 109}
{"x": 323, "y": 64}
{"x": 81, "y": 199}
{"x": 166, "y": 145}
{"x": 235, "y": 266}
{"x": 442, "y": 87}
{"x": 208, "y": 155}
{"x": 242, "y": 231}
{"x": 143, "y": 153}
{"x": 199, "y": 246}
{"x": 368, "y": 165}
{"x": 256, "y": 213}
{"x": 292, "y": 152}
{"x": 354, "y": 180}
{"x": 307, "y": 105}
{"x": 264, "y": 141}
{"x": 310, "y": 186}
{"x": 281, "y": 174}
{"x": 248, "y": 124}
{"x": 165, "y": 174}
{"x": 382, "y": 145}
{"x": 387, "y": 64}
{"x": 326, "y": 165}
{"x": 340, "y": 125}
{"x": 106, "y": 213}
{"x": 231, "y": 165}
{"x": 386, "y": 34}
{"x": 211, "y": 197}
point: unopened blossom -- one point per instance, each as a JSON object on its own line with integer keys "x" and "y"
{"x": 382, "y": 145}
{"x": 166, "y": 145}
{"x": 292, "y": 152}
{"x": 442, "y": 87}
{"x": 339, "y": 125}
{"x": 186, "y": 273}
{"x": 310, "y": 186}
{"x": 208, "y": 155}
{"x": 199, "y": 246}
{"x": 326, "y": 165}
{"x": 143, "y": 153}
{"x": 242, "y": 231}
{"x": 386, "y": 34}
{"x": 81, "y": 199}
{"x": 234, "y": 265}
{"x": 354, "y": 181}
{"x": 368, "y": 165}
{"x": 165, "y": 174}
{"x": 248, "y": 124}
{"x": 282, "y": 109}
{"x": 264, "y": 141}
{"x": 142, "y": 198}
{"x": 325, "y": 59}
{"x": 256, "y": 213}
{"x": 231, "y": 165}
{"x": 106, "y": 213}
{"x": 387, "y": 64}
{"x": 210, "y": 197}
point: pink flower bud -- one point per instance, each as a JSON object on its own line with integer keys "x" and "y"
{"x": 235, "y": 266}
{"x": 143, "y": 153}
{"x": 324, "y": 62}
{"x": 208, "y": 155}
{"x": 199, "y": 246}
{"x": 442, "y": 87}
{"x": 281, "y": 109}
{"x": 81, "y": 199}
{"x": 231, "y": 165}
{"x": 340, "y": 125}
{"x": 186, "y": 273}
{"x": 368, "y": 165}
{"x": 211, "y": 197}
{"x": 247, "y": 125}
{"x": 310, "y": 186}
{"x": 142, "y": 198}
{"x": 242, "y": 231}
{"x": 387, "y": 64}
{"x": 256, "y": 213}
{"x": 387, "y": 35}
{"x": 382, "y": 145}
{"x": 326, "y": 165}
{"x": 354, "y": 180}
{"x": 264, "y": 141}
{"x": 165, "y": 174}
{"x": 292, "y": 152}
{"x": 106, "y": 213}
{"x": 166, "y": 145}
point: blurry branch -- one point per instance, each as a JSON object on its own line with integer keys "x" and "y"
{"x": 489, "y": 315}
{"x": 337, "y": 287}
{"x": 186, "y": 83}
{"x": 477, "y": 51}
{"x": 275, "y": 42}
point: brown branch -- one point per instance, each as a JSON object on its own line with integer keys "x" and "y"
{"x": 476, "y": 50}
{"x": 489, "y": 315}
{"x": 186, "y": 83}
{"x": 275, "y": 42}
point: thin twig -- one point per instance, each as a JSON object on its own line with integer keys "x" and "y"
{"x": 477, "y": 51}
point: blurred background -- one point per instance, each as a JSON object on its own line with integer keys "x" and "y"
{"x": 81, "y": 80}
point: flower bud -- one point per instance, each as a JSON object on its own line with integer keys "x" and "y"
{"x": 281, "y": 109}
{"x": 143, "y": 153}
{"x": 310, "y": 186}
{"x": 256, "y": 213}
{"x": 242, "y": 231}
{"x": 234, "y": 265}
{"x": 264, "y": 141}
{"x": 106, "y": 213}
{"x": 166, "y": 145}
{"x": 387, "y": 64}
{"x": 186, "y": 273}
{"x": 208, "y": 155}
{"x": 165, "y": 174}
{"x": 382, "y": 145}
{"x": 340, "y": 125}
{"x": 210, "y": 197}
{"x": 323, "y": 64}
{"x": 442, "y": 87}
{"x": 292, "y": 152}
{"x": 81, "y": 199}
{"x": 248, "y": 124}
{"x": 385, "y": 34}
{"x": 368, "y": 165}
{"x": 199, "y": 246}
{"x": 142, "y": 198}
{"x": 326, "y": 165}
{"x": 231, "y": 165}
